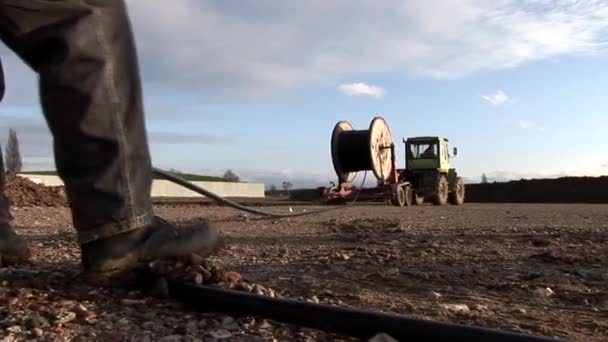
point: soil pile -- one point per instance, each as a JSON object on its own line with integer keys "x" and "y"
{"x": 23, "y": 192}
{"x": 558, "y": 190}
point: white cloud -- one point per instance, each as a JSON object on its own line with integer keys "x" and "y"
{"x": 354, "y": 89}
{"x": 525, "y": 124}
{"x": 266, "y": 47}
{"x": 210, "y": 49}
{"x": 497, "y": 99}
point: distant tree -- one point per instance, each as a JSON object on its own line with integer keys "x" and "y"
{"x": 273, "y": 187}
{"x": 13, "y": 155}
{"x": 287, "y": 185}
{"x": 230, "y": 176}
{"x": 484, "y": 179}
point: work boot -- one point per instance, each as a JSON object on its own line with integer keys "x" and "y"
{"x": 14, "y": 249}
{"x": 111, "y": 260}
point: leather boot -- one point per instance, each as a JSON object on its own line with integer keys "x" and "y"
{"x": 14, "y": 249}
{"x": 112, "y": 259}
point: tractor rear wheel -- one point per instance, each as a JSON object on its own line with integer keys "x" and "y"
{"x": 441, "y": 192}
{"x": 457, "y": 194}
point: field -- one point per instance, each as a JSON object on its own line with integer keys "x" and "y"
{"x": 534, "y": 268}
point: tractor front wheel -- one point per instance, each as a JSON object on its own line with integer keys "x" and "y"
{"x": 398, "y": 198}
{"x": 441, "y": 192}
{"x": 409, "y": 195}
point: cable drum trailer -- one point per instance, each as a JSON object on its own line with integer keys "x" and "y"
{"x": 427, "y": 176}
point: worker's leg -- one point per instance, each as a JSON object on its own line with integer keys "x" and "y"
{"x": 90, "y": 92}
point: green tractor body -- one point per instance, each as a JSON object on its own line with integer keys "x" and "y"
{"x": 430, "y": 173}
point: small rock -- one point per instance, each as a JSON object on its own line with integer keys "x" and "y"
{"x": 220, "y": 334}
{"x": 258, "y": 290}
{"x": 314, "y": 299}
{"x": 244, "y": 287}
{"x": 457, "y": 308}
{"x": 264, "y": 325}
{"x": 196, "y": 259}
{"x": 229, "y": 323}
{"x": 66, "y": 317}
{"x": 544, "y": 292}
{"x": 149, "y": 325}
{"x": 181, "y": 329}
{"x": 382, "y": 338}
{"x": 172, "y": 338}
{"x": 197, "y": 278}
{"x": 123, "y": 321}
{"x": 232, "y": 278}
{"x": 15, "y": 329}
{"x": 521, "y": 311}
{"x": 37, "y": 332}
{"x": 133, "y": 301}
{"x": 81, "y": 309}
{"x": 36, "y": 322}
{"x": 540, "y": 242}
{"x": 68, "y": 303}
{"x": 393, "y": 271}
{"x": 205, "y": 272}
{"x": 192, "y": 327}
{"x": 435, "y": 295}
{"x": 480, "y": 307}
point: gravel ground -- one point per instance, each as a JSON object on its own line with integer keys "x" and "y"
{"x": 537, "y": 269}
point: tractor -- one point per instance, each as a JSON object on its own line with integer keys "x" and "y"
{"x": 429, "y": 171}
{"x": 427, "y": 174}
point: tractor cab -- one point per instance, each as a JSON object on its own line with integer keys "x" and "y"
{"x": 428, "y": 169}
{"x": 427, "y": 153}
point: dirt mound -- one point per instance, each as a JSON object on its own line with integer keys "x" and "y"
{"x": 22, "y": 192}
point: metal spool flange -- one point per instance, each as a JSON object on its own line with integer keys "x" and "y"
{"x": 380, "y": 141}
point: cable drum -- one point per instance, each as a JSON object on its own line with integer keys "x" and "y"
{"x": 362, "y": 150}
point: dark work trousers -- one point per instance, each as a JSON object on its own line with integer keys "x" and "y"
{"x": 90, "y": 93}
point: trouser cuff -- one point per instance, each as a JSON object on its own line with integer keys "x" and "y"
{"x": 109, "y": 230}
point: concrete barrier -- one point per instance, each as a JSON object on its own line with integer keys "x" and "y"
{"x": 164, "y": 188}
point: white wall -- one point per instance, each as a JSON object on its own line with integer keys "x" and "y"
{"x": 165, "y": 188}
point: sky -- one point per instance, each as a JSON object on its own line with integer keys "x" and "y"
{"x": 257, "y": 86}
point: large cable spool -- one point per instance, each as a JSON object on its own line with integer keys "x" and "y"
{"x": 362, "y": 150}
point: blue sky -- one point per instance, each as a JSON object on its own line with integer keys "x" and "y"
{"x": 257, "y": 86}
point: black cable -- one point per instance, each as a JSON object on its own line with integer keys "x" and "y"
{"x": 188, "y": 185}
{"x": 360, "y": 188}
{"x": 335, "y": 319}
